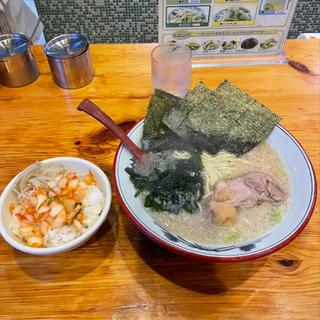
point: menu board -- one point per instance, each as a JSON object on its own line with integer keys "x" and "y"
{"x": 226, "y": 27}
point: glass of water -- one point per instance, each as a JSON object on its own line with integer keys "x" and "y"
{"x": 171, "y": 68}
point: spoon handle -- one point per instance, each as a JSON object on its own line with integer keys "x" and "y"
{"x": 94, "y": 111}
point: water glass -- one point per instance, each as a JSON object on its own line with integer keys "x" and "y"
{"x": 171, "y": 68}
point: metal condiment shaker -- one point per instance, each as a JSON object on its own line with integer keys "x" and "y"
{"x": 17, "y": 64}
{"x": 69, "y": 60}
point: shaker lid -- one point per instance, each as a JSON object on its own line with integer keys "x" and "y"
{"x": 13, "y": 44}
{"x": 66, "y": 46}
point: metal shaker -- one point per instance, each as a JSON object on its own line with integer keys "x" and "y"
{"x": 17, "y": 64}
{"x": 69, "y": 60}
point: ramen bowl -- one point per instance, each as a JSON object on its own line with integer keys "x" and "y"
{"x": 302, "y": 202}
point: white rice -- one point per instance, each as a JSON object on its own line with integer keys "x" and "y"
{"x": 93, "y": 203}
{"x": 92, "y": 206}
{"x": 14, "y": 225}
{"x": 59, "y": 236}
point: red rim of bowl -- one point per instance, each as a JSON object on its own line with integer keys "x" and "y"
{"x": 188, "y": 254}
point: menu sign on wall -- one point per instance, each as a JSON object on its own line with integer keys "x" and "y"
{"x": 226, "y": 27}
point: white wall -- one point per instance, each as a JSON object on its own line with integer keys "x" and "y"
{"x": 32, "y": 6}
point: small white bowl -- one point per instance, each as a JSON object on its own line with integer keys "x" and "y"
{"x": 75, "y": 164}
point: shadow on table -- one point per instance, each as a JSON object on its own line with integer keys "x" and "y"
{"x": 77, "y": 263}
{"x": 196, "y": 275}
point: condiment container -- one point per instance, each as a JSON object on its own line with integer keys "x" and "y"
{"x": 69, "y": 60}
{"x": 17, "y": 64}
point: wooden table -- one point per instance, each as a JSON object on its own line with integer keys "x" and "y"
{"x": 120, "y": 273}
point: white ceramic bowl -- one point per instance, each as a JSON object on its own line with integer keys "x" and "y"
{"x": 75, "y": 164}
{"x": 300, "y": 209}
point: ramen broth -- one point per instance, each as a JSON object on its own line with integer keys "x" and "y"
{"x": 251, "y": 223}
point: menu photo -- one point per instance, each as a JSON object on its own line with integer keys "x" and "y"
{"x": 234, "y": 15}
{"x": 187, "y": 16}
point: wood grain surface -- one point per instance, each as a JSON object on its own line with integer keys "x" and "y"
{"x": 120, "y": 273}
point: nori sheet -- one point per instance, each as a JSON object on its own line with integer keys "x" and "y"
{"x": 155, "y": 132}
{"x": 227, "y": 119}
{"x": 256, "y": 117}
{"x": 175, "y": 117}
{"x": 156, "y": 135}
{"x": 160, "y": 103}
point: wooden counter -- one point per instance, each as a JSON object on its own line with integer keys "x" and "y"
{"x": 120, "y": 273}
